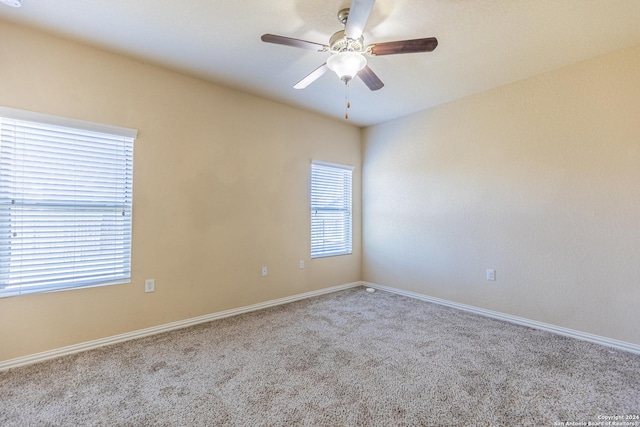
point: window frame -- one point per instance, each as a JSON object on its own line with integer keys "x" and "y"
{"x": 340, "y": 212}
{"x": 67, "y": 207}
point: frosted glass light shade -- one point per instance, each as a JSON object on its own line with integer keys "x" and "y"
{"x": 346, "y": 64}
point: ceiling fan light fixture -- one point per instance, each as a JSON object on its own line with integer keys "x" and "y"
{"x": 346, "y": 64}
{"x": 12, "y": 3}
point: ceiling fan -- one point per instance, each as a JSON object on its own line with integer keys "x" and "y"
{"x": 348, "y": 50}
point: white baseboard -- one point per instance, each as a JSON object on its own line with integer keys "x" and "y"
{"x": 89, "y": 345}
{"x": 619, "y": 345}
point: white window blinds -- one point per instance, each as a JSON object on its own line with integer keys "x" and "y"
{"x": 330, "y": 209}
{"x": 65, "y": 203}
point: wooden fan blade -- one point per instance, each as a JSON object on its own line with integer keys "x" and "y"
{"x": 358, "y": 16}
{"x": 312, "y": 77}
{"x": 403, "y": 46}
{"x": 370, "y": 79}
{"x": 288, "y": 41}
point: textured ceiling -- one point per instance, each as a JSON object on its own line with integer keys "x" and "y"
{"x": 482, "y": 43}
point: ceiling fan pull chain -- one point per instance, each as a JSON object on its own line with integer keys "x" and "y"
{"x": 346, "y": 111}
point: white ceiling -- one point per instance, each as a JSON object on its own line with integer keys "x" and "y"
{"x": 482, "y": 43}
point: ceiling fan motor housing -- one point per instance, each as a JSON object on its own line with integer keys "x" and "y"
{"x": 339, "y": 42}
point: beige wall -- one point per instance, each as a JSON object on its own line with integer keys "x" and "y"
{"x": 539, "y": 180}
{"x": 221, "y": 188}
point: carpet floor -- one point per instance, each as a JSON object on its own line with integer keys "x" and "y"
{"x": 345, "y": 359}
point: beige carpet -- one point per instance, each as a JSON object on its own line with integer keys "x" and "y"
{"x": 344, "y": 359}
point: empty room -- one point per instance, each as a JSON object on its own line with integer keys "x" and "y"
{"x": 320, "y": 213}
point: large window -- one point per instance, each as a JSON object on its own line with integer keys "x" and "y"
{"x": 65, "y": 203}
{"x": 330, "y": 209}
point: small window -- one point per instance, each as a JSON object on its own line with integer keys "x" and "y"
{"x": 330, "y": 209}
{"x": 65, "y": 203}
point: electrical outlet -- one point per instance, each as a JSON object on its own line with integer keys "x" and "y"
{"x": 301, "y": 263}
{"x": 264, "y": 271}
{"x": 491, "y": 275}
{"x": 149, "y": 285}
